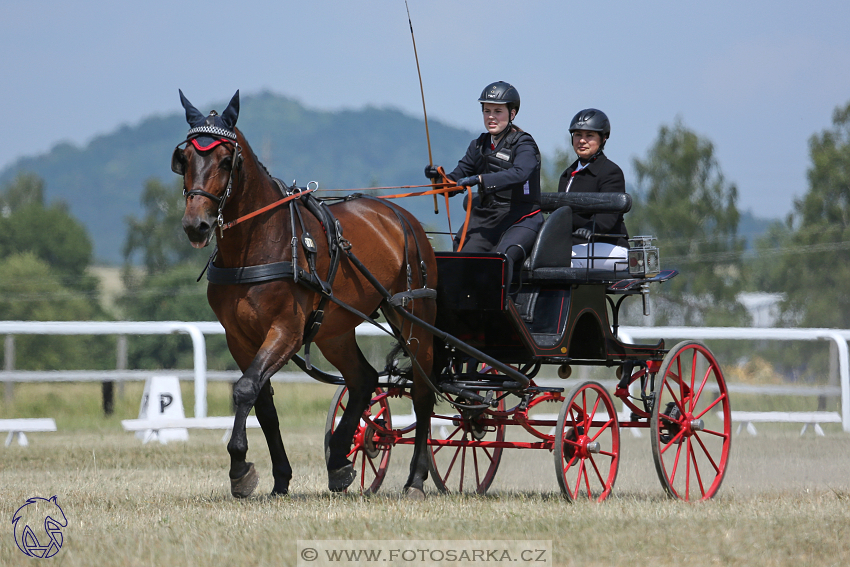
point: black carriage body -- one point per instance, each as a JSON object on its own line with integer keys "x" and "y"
{"x": 556, "y": 322}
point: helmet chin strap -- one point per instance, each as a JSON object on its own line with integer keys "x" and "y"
{"x": 592, "y": 158}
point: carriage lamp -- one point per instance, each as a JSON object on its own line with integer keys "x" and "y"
{"x": 644, "y": 259}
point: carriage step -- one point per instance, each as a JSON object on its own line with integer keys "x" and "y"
{"x": 471, "y": 396}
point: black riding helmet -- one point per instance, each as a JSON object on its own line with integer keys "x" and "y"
{"x": 501, "y": 92}
{"x": 593, "y": 120}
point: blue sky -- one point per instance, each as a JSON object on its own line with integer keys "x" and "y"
{"x": 756, "y": 78}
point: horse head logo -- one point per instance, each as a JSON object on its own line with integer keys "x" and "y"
{"x": 38, "y": 527}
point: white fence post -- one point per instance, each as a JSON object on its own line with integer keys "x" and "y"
{"x": 8, "y": 366}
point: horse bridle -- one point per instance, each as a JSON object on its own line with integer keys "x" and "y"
{"x": 178, "y": 165}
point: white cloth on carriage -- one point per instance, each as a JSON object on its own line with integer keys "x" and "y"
{"x": 608, "y": 256}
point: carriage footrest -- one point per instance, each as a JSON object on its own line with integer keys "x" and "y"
{"x": 403, "y": 298}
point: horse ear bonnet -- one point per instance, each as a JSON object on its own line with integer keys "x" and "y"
{"x": 206, "y": 132}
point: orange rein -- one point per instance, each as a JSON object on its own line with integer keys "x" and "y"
{"x": 278, "y": 203}
{"x": 442, "y": 191}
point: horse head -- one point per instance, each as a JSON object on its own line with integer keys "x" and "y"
{"x": 209, "y": 164}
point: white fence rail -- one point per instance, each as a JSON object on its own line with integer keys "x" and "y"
{"x": 200, "y": 375}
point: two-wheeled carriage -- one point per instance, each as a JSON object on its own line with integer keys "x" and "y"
{"x": 495, "y": 334}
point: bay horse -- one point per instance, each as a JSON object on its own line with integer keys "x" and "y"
{"x": 266, "y": 320}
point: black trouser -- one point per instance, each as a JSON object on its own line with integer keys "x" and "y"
{"x": 515, "y": 243}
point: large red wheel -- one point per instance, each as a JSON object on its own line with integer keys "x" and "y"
{"x": 470, "y": 465}
{"x": 370, "y": 449}
{"x": 587, "y": 444}
{"x": 690, "y": 441}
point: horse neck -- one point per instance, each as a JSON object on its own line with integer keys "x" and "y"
{"x": 260, "y": 239}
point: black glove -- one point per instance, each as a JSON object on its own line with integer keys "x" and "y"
{"x": 470, "y": 181}
{"x": 431, "y": 172}
{"x": 583, "y": 233}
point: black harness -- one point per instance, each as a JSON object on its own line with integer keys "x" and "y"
{"x": 337, "y": 246}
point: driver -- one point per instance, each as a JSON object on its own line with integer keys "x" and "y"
{"x": 504, "y": 163}
{"x": 594, "y": 172}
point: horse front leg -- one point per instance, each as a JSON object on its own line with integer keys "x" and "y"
{"x": 274, "y": 353}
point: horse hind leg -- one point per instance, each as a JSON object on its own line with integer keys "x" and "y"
{"x": 267, "y": 416}
{"x": 361, "y": 379}
{"x": 420, "y": 344}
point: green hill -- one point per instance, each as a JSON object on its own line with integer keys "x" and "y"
{"x": 102, "y": 182}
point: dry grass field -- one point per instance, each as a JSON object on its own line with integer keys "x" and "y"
{"x": 785, "y": 499}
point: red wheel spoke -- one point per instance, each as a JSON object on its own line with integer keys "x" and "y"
{"x": 696, "y": 471}
{"x": 578, "y": 478}
{"x": 707, "y": 454}
{"x": 584, "y": 407}
{"x": 711, "y": 405}
{"x": 717, "y": 433}
{"x": 592, "y": 415}
{"x": 363, "y": 472}
{"x": 672, "y": 441}
{"x": 587, "y": 482}
{"x": 452, "y": 464}
{"x": 608, "y": 454}
{"x": 701, "y": 386}
{"x": 462, "y": 467}
{"x": 675, "y": 463}
{"x": 487, "y": 453}
{"x": 688, "y": 454}
{"x": 680, "y": 378}
{"x": 570, "y": 463}
{"x": 693, "y": 378}
{"x": 598, "y": 475}
{"x": 371, "y": 465}
{"x": 439, "y": 447}
{"x": 475, "y": 464}
{"x": 679, "y": 404}
{"x": 603, "y": 428}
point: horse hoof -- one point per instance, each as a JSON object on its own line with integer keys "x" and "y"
{"x": 340, "y": 479}
{"x": 243, "y": 487}
{"x": 414, "y": 493}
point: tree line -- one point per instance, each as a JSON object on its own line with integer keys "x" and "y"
{"x": 680, "y": 196}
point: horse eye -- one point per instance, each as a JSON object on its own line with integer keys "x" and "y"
{"x": 226, "y": 163}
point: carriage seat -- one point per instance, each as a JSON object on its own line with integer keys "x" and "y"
{"x": 550, "y": 258}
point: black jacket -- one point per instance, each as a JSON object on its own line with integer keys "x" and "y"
{"x": 600, "y": 176}
{"x": 516, "y": 182}
{"x": 509, "y": 192}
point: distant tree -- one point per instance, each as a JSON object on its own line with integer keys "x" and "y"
{"x": 30, "y": 290}
{"x": 808, "y": 257}
{"x": 683, "y": 199}
{"x": 549, "y": 175}
{"x": 26, "y": 189}
{"x": 158, "y": 236}
{"x": 49, "y": 232}
{"x": 167, "y": 289}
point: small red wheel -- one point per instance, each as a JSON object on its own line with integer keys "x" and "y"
{"x": 690, "y": 443}
{"x": 587, "y": 450}
{"x": 469, "y": 466}
{"x": 370, "y": 447}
